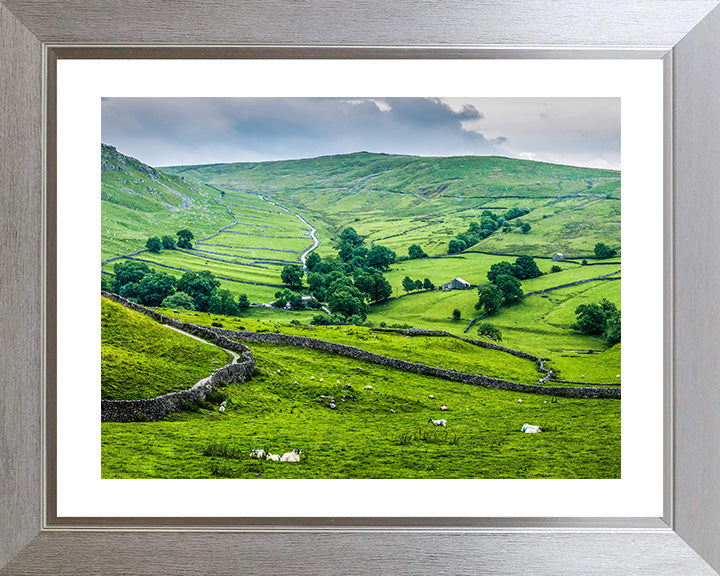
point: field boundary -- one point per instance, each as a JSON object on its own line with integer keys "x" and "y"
{"x": 423, "y": 369}
{"x": 604, "y": 277}
{"x": 151, "y": 409}
{"x": 364, "y": 355}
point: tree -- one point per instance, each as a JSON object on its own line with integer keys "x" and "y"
{"x": 153, "y": 244}
{"x": 509, "y": 286}
{"x": 525, "y": 228}
{"x": 456, "y": 246}
{"x": 381, "y": 289}
{"x": 489, "y": 299}
{"x": 129, "y": 271}
{"x": 380, "y": 257}
{"x": 428, "y": 285}
{"x": 415, "y": 252}
{"x": 489, "y": 331}
{"x": 283, "y": 297}
{"x": 179, "y": 300}
{"x": 555, "y": 268}
{"x": 185, "y": 238}
{"x": 418, "y": 284}
{"x": 408, "y": 284}
{"x": 499, "y": 268}
{"x": 312, "y": 260}
{"x": 591, "y": 319}
{"x": 613, "y": 331}
{"x": 154, "y": 288}
{"x": 348, "y": 301}
{"x": 228, "y": 306}
{"x": 292, "y": 276}
{"x": 525, "y": 268}
{"x": 243, "y": 302}
{"x": 201, "y": 286}
{"x": 350, "y": 236}
{"x": 168, "y": 243}
{"x": 604, "y": 251}
{"x": 457, "y": 314}
{"x": 106, "y": 283}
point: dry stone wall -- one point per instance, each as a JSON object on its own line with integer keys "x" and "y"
{"x": 161, "y": 406}
{"x": 423, "y": 369}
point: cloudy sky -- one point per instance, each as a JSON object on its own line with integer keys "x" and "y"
{"x": 171, "y": 131}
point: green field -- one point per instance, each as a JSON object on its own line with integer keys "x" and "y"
{"x": 271, "y": 412}
{"x": 142, "y": 359}
{"x": 245, "y": 232}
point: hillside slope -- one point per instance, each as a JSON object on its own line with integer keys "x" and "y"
{"x": 139, "y": 201}
{"x": 401, "y": 200}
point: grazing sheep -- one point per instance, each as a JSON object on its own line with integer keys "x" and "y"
{"x": 437, "y": 423}
{"x": 293, "y": 456}
{"x": 312, "y": 377}
{"x": 257, "y": 453}
{"x": 443, "y": 407}
{"x": 368, "y": 387}
{"x": 431, "y": 396}
{"x": 528, "y": 429}
{"x": 519, "y": 400}
{"x": 392, "y": 411}
{"x": 321, "y": 379}
{"x": 223, "y": 406}
{"x": 274, "y": 457}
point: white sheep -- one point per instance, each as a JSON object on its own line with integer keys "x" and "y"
{"x": 368, "y": 387}
{"x": 293, "y": 456}
{"x": 223, "y": 405}
{"x": 274, "y": 457}
{"x": 528, "y": 429}
{"x": 437, "y": 423}
{"x": 443, "y": 407}
{"x": 431, "y": 396}
{"x": 257, "y": 453}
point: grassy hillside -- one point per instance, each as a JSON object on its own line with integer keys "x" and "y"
{"x": 139, "y": 201}
{"x": 401, "y": 200}
{"x": 362, "y": 438}
{"x": 143, "y": 359}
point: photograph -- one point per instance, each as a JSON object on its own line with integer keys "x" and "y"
{"x": 360, "y": 287}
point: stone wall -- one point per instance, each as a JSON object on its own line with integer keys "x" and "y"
{"x": 225, "y": 338}
{"x": 423, "y": 369}
{"x": 161, "y": 406}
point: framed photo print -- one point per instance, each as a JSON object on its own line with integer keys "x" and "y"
{"x": 359, "y": 292}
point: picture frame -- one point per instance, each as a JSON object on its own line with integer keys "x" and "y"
{"x": 681, "y": 33}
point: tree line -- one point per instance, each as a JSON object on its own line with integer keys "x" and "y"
{"x": 199, "y": 291}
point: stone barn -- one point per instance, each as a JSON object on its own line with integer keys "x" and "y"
{"x": 558, "y": 257}
{"x": 456, "y": 284}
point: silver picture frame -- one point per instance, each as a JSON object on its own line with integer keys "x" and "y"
{"x": 683, "y": 33}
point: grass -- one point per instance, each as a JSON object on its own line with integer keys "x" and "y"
{"x": 143, "y": 359}
{"x": 445, "y": 352}
{"x": 362, "y": 438}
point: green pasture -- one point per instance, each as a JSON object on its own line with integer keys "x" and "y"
{"x": 445, "y": 352}
{"x": 143, "y": 359}
{"x": 254, "y": 292}
{"x": 362, "y": 438}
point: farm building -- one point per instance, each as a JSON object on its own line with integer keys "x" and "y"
{"x": 558, "y": 257}
{"x": 456, "y": 284}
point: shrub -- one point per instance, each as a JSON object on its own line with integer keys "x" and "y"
{"x": 555, "y": 268}
{"x": 295, "y": 322}
{"x": 179, "y": 300}
{"x": 489, "y": 331}
{"x": 216, "y": 396}
{"x": 216, "y": 324}
{"x": 456, "y": 314}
